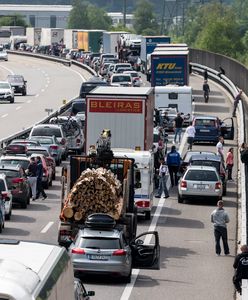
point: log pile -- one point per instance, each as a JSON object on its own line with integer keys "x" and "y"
{"x": 95, "y": 191}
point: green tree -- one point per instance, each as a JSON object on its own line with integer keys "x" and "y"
{"x": 87, "y": 16}
{"x": 15, "y": 20}
{"x": 144, "y": 18}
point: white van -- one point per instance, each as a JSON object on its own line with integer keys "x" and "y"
{"x": 144, "y": 161}
{"x": 35, "y": 271}
{"x": 179, "y": 97}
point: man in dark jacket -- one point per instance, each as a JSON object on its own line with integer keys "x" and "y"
{"x": 40, "y": 189}
{"x": 241, "y": 268}
{"x": 173, "y": 163}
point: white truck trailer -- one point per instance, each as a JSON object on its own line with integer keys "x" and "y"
{"x": 51, "y": 36}
{"x": 110, "y": 41}
{"x": 126, "y": 111}
{"x": 33, "y": 36}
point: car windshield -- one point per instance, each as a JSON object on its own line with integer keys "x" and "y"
{"x": 205, "y": 122}
{"x": 121, "y": 78}
{"x": 133, "y": 74}
{"x": 201, "y": 175}
{"x": 2, "y": 186}
{"x": 122, "y": 66}
{"x": 4, "y": 85}
{"x": 15, "y": 79}
{"x": 23, "y": 163}
{"x": 47, "y": 132}
{"x": 208, "y": 163}
{"x": 100, "y": 243}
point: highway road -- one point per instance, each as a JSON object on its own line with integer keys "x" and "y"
{"x": 190, "y": 269}
{"x": 48, "y": 84}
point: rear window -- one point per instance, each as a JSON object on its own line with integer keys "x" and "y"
{"x": 122, "y": 66}
{"x": 46, "y": 141}
{"x": 30, "y": 152}
{"x": 23, "y": 163}
{"x": 205, "y": 122}
{"x": 10, "y": 174}
{"x": 207, "y": 163}
{"x": 79, "y": 106}
{"x": 121, "y": 78}
{"x": 201, "y": 175}
{"x": 47, "y": 131}
{"x": 100, "y": 243}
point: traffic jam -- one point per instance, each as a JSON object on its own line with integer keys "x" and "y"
{"x": 130, "y": 136}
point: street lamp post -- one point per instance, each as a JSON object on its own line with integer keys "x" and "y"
{"x": 124, "y": 12}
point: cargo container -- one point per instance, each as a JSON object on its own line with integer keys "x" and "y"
{"x": 51, "y": 36}
{"x": 169, "y": 67}
{"x": 33, "y": 36}
{"x": 126, "y": 111}
{"x": 110, "y": 41}
{"x": 88, "y": 40}
{"x": 70, "y": 38}
{"x": 148, "y": 44}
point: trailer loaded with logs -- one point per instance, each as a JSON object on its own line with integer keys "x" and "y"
{"x": 95, "y": 185}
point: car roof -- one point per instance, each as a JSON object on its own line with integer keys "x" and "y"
{"x": 209, "y": 157}
{"x": 30, "y": 148}
{"x": 9, "y": 167}
{"x": 206, "y": 117}
{"x": 205, "y": 168}
{"x": 47, "y": 126}
{"x": 87, "y": 232}
{"x": 13, "y": 157}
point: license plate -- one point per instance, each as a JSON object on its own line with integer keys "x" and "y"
{"x": 200, "y": 186}
{"x": 98, "y": 257}
{"x": 204, "y": 130}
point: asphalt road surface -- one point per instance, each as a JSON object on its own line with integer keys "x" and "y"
{"x": 190, "y": 269}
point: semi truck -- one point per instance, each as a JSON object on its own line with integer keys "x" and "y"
{"x": 126, "y": 111}
{"x": 170, "y": 67}
{"x": 148, "y": 44}
{"x": 89, "y": 40}
{"x": 50, "y": 36}
{"x": 70, "y": 38}
{"x": 33, "y": 36}
{"x": 110, "y": 41}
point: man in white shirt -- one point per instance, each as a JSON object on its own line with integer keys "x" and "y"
{"x": 220, "y": 148}
{"x": 190, "y": 131}
{"x": 163, "y": 175}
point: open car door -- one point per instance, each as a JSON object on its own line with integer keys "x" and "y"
{"x": 146, "y": 251}
{"x": 227, "y": 129}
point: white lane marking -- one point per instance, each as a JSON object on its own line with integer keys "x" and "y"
{"x": 37, "y": 95}
{"x": 18, "y": 107}
{"x": 4, "y": 116}
{"x": 7, "y": 69}
{"x": 46, "y": 85}
{"x": 43, "y": 90}
{"x": 80, "y": 75}
{"x": 46, "y": 228}
{"x": 29, "y": 101}
{"x": 128, "y": 289}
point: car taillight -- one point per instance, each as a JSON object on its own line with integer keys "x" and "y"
{"x": 119, "y": 252}
{"x": 142, "y": 203}
{"x": 4, "y": 195}
{"x": 183, "y": 184}
{"x": 136, "y": 79}
{"x": 77, "y": 251}
{"x": 17, "y": 180}
{"x": 54, "y": 147}
{"x": 217, "y": 185}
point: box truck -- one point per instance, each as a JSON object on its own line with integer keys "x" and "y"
{"x": 148, "y": 44}
{"x": 126, "y": 111}
{"x": 110, "y": 41}
{"x": 33, "y": 36}
{"x": 169, "y": 67}
{"x": 89, "y": 40}
{"x": 70, "y": 38}
{"x": 51, "y": 36}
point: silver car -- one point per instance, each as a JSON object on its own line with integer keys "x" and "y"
{"x": 3, "y": 54}
{"x": 200, "y": 182}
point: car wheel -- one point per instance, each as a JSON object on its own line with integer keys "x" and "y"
{"x": 24, "y": 93}
{"x": 54, "y": 176}
{"x": 148, "y": 215}
{"x": 24, "y": 204}
{"x": 224, "y": 190}
{"x": 12, "y": 100}
{"x": 127, "y": 279}
{"x": 179, "y": 199}
{"x": 7, "y": 217}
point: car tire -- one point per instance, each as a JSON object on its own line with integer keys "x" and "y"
{"x": 24, "y": 204}
{"x": 7, "y": 217}
{"x": 12, "y": 100}
{"x": 148, "y": 215}
{"x": 179, "y": 199}
{"x": 127, "y": 279}
{"x": 54, "y": 176}
{"x": 224, "y": 190}
{"x": 24, "y": 93}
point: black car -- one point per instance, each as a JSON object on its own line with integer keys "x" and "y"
{"x": 89, "y": 85}
{"x": 18, "y": 83}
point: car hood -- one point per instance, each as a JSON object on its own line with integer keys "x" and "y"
{"x": 5, "y": 90}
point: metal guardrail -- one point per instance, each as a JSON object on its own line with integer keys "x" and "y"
{"x": 63, "y": 108}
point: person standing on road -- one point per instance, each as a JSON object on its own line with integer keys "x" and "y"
{"x": 220, "y": 218}
{"x": 220, "y": 148}
{"x": 206, "y": 91}
{"x": 229, "y": 163}
{"x": 190, "y": 131}
{"x": 173, "y": 162}
{"x": 40, "y": 189}
{"x": 163, "y": 175}
{"x": 205, "y": 74}
{"x": 178, "y": 125}
{"x": 241, "y": 268}
{"x": 32, "y": 178}
{"x": 236, "y": 102}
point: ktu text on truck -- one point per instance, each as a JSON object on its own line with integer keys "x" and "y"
{"x": 88, "y": 200}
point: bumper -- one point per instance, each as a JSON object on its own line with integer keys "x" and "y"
{"x": 7, "y": 98}
{"x": 206, "y": 139}
{"x": 199, "y": 195}
{"x": 18, "y": 89}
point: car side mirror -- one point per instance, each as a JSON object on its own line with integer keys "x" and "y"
{"x": 139, "y": 242}
{"x": 90, "y": 293}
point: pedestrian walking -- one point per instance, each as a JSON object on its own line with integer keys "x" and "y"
{"x": 32, "y": 178}
{"x": 40, "y": 189}
{"x": 241, "y": 268}
{"x": 220, "y": 148}
{"x": 219, "y": 217}
{"x": 236, "y": 102}
{"x": 190, "y": 131}
{"x": 163, "y": 175}
{"x": 173, "y": 163}
{"x": 205, "y": 74}
{"x": 229, "y": 163}
{"x": 178, "y": 126}
{"x": 206, "y": 91}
